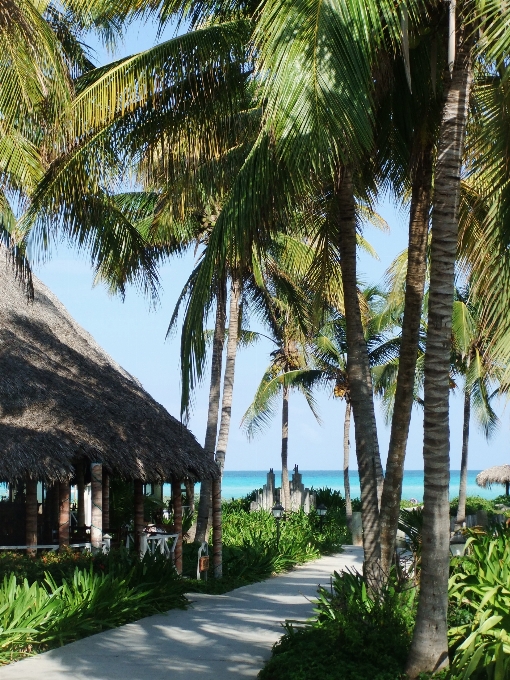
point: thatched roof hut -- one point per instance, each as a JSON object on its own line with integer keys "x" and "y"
{"x": 62, "y": 398}
{"x": 498, "y": 474}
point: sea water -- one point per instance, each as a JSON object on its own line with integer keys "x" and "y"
{"x": 238, "y": 484}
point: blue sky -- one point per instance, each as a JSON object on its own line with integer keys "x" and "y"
{"x": 134, "y": 335}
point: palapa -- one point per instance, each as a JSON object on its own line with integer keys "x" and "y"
{"x": 498, "y": 474}
{"x": 62, "y": 398}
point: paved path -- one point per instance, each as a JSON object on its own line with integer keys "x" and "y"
{"x": 221, "y": 637}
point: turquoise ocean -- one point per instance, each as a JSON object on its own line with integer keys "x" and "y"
{"x": 238, "y": 484}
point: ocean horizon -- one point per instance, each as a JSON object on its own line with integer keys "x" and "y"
{"x": 237, "y": 484}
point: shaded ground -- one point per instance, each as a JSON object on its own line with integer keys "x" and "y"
{"x": 221, "y": 637}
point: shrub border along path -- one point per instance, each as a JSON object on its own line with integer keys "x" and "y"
{"x": 221, "y": 637}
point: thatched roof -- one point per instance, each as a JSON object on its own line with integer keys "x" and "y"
{"x": 499, "y": 474}
{"x": 63, "y": 398}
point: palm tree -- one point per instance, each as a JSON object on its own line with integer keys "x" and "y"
{"x": 288, "y": 370}
{"x": 472, "y": 360}
{"x": 329, "y": 352}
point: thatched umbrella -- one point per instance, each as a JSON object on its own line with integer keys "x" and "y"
{"x": 499, "y": 474}
{"x": 64, "y": 400}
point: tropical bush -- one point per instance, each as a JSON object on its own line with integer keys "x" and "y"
{"x": 49, "y": 613}
{"x": 353, "y": 636}
{"x": 479, "y": 593}
{"x": 476, "y": 503}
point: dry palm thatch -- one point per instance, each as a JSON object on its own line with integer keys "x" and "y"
{"x": 499, "y": 474}
{"x": 62, "y": 398}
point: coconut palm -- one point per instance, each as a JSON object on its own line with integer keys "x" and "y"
{"x": 329, "y": 352}
{"x": 473, "y": 362}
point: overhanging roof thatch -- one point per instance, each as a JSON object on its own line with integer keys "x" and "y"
{"x": 499, "y": 474}
{"x": 62, "y": 398}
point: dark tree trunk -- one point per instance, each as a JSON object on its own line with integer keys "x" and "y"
{"x": 64, "y": 514}
{"x": 139, "y": 512}
{"x": 360, "y": 384}
{"x": 96, "y": 518}
{"x": 211, "y": 432}
{"x": 106, "y": 502}
{"x": 285, "y": 495}
{"x": 429, "y": 648}
{"x": 347, "y": 447}
{"x": 31, "y": 515}
{"x": 80, "y": 478}
{"x": 190, "y": 493}
{"x": 461, "y": 511}
{"x": 415, "y": 284}
{"x": 177, "y": 506}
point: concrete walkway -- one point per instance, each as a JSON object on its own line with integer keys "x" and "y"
{"x": 221, "y": 637}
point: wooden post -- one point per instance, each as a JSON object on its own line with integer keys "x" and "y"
{"x": 31, "y": 515}
{"x": 64, "y": 489}
{"x": 217, "y": 528}
{"x": 106, "y": 502}
{"x": 96, "y": 520}
{"x": 177, "y": 505}
{"x": 80, "y": 483}
{"x": 139, "y": 513}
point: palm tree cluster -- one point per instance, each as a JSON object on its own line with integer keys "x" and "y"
{"x": 262, "y": 136}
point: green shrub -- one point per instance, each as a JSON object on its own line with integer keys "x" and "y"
{"x": 41, "y": 615}
{"x": 479, "y": 595}
{"x": 473, "y": 505}
{"x": 352, "y": 637}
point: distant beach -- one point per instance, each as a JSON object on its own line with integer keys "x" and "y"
{"x": 237, "y": 484}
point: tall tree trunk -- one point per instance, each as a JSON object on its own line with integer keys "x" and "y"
{"x": 429, "y": 648}
{"x": 226, "y": 412}
{"x": 177, "y": 506}
{"x": 415, "y": 284}
{"x": 63, "y": 514}
{"x": 211, "y": 432}
{"x": 285, "y": 495}
{"x": 461, "y": 511}
{"x": 80, "y": 479}
{"x": 139, "y": 518}
{"x": 31, "y": 515}
{"x": 360, "y": 384}
{"x": 347, "y": 484}
{"x": 96, "y": 518}
{"x": 190, "y": 493}
{"x": 106, "y": 502}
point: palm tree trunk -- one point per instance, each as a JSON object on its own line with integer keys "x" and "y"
{"x": 429, "y": 648}
{"x": 211, "y": 431}
{"x": 415, "y": 284}
{"x": 96, "y": 515}
{"x": 360, "y": 384}
{"x": 190, "y": 493}
{"x": 80, "y": 478}
{"x": 31, "y": 515}
{"x": 347, "y": 484}
{"x": 177, "y": 507}
{"x": 226, "y": 412}
{"x": 63, "y": 514}
{"x": 285, "y": 496}
{"x": 106, "y": 502}
{"x": 461, "y": 511}
{"x": 139, "y": 518}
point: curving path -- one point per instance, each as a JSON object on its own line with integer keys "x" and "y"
{"x": 221, "y": 637}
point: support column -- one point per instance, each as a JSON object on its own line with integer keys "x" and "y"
{"x": 80, "y": 483}
{"x": 106, "y": 502}
{"x": 64, "y": 517}
{"x": 31, "y": 515}
{"x": 139, "y": 514}
{"x": 96, "y": 521}
{"x": 177, "y": 506}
